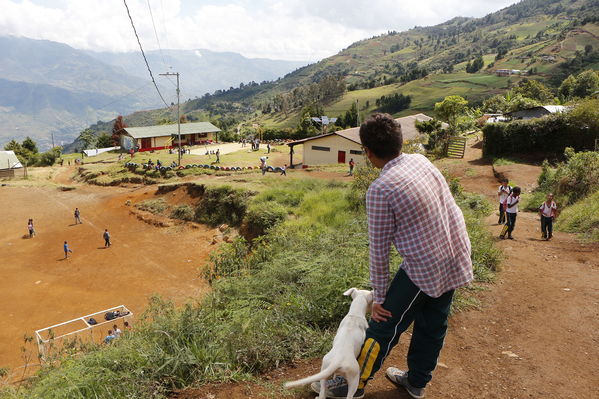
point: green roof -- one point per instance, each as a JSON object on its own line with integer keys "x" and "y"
{"x": 168, "y": 130}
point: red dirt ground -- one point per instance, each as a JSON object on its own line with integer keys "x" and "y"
{"x": 39, "y": 288}
{"x": 543, "y": 310}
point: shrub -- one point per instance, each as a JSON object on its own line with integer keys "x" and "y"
{"x": 183, "y": 212}
{"x": 550, "y": 135}
{"x": 262, "y": 216}
{"x": 222, "y": 204}
{"x": 155, "y": 206}
{"x": 582, "y": 218}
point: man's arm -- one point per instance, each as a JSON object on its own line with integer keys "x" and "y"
{"x": 381, "y": 226}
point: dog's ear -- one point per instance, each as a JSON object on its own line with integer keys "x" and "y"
{"x": 351, "y": 292}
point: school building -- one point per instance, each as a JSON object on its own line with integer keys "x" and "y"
{"x": 159, "y": 137}
{"x": 343, "y": 145}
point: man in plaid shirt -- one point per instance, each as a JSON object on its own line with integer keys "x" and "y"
{"x": 410, "y": 206}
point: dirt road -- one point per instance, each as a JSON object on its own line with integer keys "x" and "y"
{"x": 535, "y": 335}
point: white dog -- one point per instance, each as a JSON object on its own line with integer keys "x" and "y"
{"x": 342, "y": 358}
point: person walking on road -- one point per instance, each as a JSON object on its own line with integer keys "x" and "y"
{"x": 547, "y": 211}
{"x": 503, "y": 191}
{"x": 410, "y": 206}
{"x": 66, "y": 249}
{"x": 217, "y": 155}
{"x": 77, "y": 215}
{"x": 106, "y": 236}
{"x": 511, "y": 211}
{"x": 30, "y": 228}
{"x": 268, "y": 148}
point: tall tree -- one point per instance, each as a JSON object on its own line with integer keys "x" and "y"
{"x": 118, "y": 125}
{"x": 450, "y": 110}
{"x": 30, "y": 145}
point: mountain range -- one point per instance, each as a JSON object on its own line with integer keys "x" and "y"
{"x": 49, "y": 88}
{"x": 547, "y": 39}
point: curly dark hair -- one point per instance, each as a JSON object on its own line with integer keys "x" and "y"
{"x": 381, "y": 134}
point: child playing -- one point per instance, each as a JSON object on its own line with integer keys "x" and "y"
{"x": 547, "y": 211}
{"x": 511, "y": 209}
{"x": 503, "y": 191}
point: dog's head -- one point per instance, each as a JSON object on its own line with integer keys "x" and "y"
{"x": 355, "y": 293}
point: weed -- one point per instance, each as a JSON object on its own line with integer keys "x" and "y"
{"x": 156, "y": 206}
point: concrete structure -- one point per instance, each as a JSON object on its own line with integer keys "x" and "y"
{"x": 341, "y": 146}
{"x": 165, "y": 136}
{"x": 10, "y": 166}
{"x": 536, "y": 112}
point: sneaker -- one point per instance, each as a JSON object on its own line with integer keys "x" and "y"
{"x": 336, "y": 388}
{"x": 510, "y": 237}
{"x": 400, "y": 378}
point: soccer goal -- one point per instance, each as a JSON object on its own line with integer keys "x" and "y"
{"x": 81, "y": 330}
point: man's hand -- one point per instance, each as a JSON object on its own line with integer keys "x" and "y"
{"x": 379, "y": 313}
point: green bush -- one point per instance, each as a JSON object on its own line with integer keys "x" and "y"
{"x": 582, "y": 218}
{"x": 156, "y": 206}
{"x": 222, "y": 204}
{"x": 569, "y": 181}
{"x": 549, "y": 135}
{"x": 260, "y": 217}
{"x": 183, "y": 212}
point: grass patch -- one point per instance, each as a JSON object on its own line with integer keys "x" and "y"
{"x": 155, "y": 206}
{"x": 582, "y": 218}
{"x": 182, "y": 212}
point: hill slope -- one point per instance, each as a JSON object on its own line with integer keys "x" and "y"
{"x": 547, "y": 37}
{"x": 48, "y": 87}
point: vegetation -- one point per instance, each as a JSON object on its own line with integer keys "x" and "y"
{"x": 582, "y": 218}
{"x": 575, "y": 185}
{"x": 549, "y": 135}
{"x": 273, "y": 300}
{"x": 28, "y": 154}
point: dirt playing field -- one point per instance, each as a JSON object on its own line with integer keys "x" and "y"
{"x": 535, "y": 334}
{"x": 40, "y": 288}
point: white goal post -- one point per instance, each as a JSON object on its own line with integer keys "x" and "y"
{"x": 75, "y": 327}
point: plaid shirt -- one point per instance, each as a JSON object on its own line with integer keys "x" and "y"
{"x": 410, "y": 205}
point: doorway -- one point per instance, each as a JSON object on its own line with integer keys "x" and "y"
{"x": 340, "y": 156}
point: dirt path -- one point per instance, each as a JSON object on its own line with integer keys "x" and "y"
{"x": 535, "y": 335}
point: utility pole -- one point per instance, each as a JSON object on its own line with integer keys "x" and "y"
{"x": 52, "y": 133}
{"x": 178, "y": 110}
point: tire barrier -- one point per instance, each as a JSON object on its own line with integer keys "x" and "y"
{"x": 270, "y": 169}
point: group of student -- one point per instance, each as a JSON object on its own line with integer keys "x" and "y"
{"x": 65, "y": 246}
{"x": 509, "y": 198}
{"x": 116, "y": 332}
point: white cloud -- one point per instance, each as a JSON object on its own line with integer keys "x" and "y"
{"x": 283, "y": 29}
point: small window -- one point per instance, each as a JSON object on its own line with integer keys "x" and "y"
{"x": 318, "y": 148}
{"x": 202, "y": 135}
{"x": 356, "y": 152}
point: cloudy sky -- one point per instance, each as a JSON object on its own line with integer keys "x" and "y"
{"x": 303, "y": 30}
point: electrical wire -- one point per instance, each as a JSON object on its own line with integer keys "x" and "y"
{"x": 156, "y": 34}
{"x": 143, "y": 54}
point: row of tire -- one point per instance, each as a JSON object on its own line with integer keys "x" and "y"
{"x": 205, "y": 166}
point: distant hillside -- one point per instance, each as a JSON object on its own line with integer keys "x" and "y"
{"x": 48, "y": 87}
{"x": 201, "y": 70}
{"x": 550, "y": 38}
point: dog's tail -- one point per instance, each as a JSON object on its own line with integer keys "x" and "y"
{"x": 316, "y": 377}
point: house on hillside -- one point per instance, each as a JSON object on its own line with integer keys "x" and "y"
{"x": 10, "y": 166}
{"x": 509, "y": 72}
{"x": 536, "y": 112}
{"x": 342, "y": 145}
{"x": 165, "y": 136}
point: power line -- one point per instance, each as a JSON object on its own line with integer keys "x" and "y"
{"x": 143, "y": 54}
{"x": 156, "y": 33}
